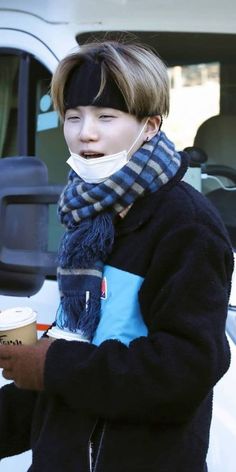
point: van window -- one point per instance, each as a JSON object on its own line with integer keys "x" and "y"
{"x": 50, "y": 147}
{"x": 28, "y": 124}
{"x": 194, "y": 97}
{"x": 9, "y": 75}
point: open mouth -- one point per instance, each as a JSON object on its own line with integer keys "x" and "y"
{"x": 88, "y": 155}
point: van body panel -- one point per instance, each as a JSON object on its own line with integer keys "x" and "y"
{"x": 211, "y": 16}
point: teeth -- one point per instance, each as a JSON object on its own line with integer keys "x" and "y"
{"x": 85, "y": 154}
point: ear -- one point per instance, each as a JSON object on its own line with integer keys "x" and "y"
{"x": 152, "y": 126}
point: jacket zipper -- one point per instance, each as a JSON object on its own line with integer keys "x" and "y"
{"x": 90, "y": 448}
{"x": 99, "y": 447}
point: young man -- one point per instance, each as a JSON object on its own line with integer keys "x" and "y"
{"x": 144, "y": 275}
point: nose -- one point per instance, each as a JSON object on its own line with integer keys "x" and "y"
{"x": 88, "y": 130}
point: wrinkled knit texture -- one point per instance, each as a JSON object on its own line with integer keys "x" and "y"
{"x": 88, "y": 211}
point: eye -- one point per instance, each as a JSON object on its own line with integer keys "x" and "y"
{"x": 73, "y": 117}
{"x": 106, "y": 117}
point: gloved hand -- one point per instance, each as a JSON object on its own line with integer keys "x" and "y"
{"x": 25, "y": 364}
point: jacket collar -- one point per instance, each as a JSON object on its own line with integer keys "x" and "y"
{"x": 144, "y": 207}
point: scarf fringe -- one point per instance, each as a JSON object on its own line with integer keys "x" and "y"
{"x": 92, "y": 240}
{"x": 81, "y": 314}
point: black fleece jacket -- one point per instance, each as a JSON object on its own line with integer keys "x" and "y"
{"x": 149, "y": 403}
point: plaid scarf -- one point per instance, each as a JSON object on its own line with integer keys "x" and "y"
{"x": 88, "y": 211}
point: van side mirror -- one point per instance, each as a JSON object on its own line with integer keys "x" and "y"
{"x": 197, "y": 156}
{"x": 24, "y": 199}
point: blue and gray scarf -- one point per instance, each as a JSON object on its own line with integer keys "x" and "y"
{"x": 88, "y": 211}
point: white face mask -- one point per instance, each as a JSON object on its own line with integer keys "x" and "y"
{"x": 98, "y": 169}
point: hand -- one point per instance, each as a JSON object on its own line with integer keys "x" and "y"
{"x": 25, "y": 364}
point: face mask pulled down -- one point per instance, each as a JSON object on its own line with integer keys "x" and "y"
{"x": 97, "y": 170}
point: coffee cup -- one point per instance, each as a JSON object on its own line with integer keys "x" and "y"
{"x": 58, "y": 333}
{"x": 18, "y": 326}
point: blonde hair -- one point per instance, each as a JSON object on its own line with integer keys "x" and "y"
{"x": 138, "y": 72}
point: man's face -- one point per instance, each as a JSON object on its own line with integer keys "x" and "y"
{"x": 95, "y": 131}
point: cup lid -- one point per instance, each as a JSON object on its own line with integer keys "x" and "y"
{"x": 59, "y": 333}
{"x": 16, "y": 317}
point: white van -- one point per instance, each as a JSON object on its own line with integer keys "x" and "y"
{"x": 197, "y": 39}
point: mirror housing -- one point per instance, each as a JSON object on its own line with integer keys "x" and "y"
{"x": 197, "y": 156}
{"x": 24, "y": 199}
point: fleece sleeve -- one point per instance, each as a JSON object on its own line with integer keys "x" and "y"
{"x": 165, "y": 376}
{"x": 16, "y": 409}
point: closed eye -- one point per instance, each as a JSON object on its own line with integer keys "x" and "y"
{"x": 106, "y": 117}
{"x": 72, "y": 118}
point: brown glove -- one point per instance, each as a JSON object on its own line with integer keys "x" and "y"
{"x": 25, "y": 364}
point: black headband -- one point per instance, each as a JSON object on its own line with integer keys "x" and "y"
{"x": 83, "y": 85}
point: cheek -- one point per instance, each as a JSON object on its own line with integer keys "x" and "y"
{"x": 69, "y": 134}
{"x": 129, "y": 139}
{"x": 65, "y": 131}
{"x": 138, "y": 144}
